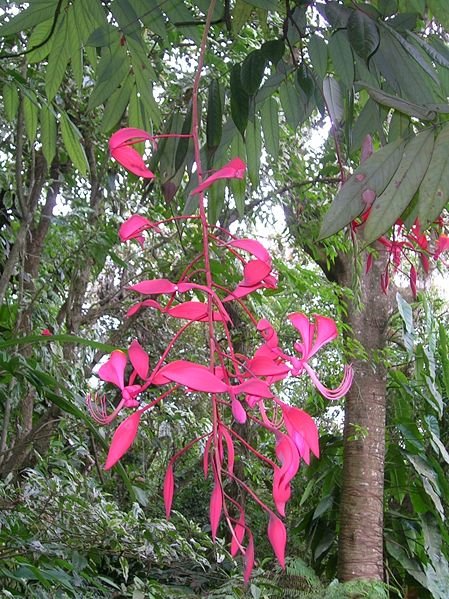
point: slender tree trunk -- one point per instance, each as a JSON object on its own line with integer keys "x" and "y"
{"x": 361, "y": 508}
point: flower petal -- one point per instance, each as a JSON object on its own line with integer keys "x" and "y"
{"x": 249, "y": 559}
{"x": 302, "y": 430}
{"x": 278, "y": 537}
{"x": 255, "y": 272}
{"x": 132, "y": 161}
{"x": 253, "y": 247}
{"x": 254, "y": 387}
{"x": 127, "y": 135}
{"x": 239, "y": 533}
{"x": 234, "y": 169}
{"x": 216, "y": 505}
{"x": 133, "y": 227}
{"x": 154, "y": 287}
{"x": 169, "y": 488}
{"x": 113, "y": 371}
{"x": 123, "y": 438}
{"x": 194, "y": 376}
{"x": 238, "y": 411}
{"x": 139, "y": 359}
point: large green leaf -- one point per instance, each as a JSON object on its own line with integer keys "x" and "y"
{"x": 389, "y": 206}
{"x": 253, "y": 144}
{"x": 31, "y": 113}
{"x": 116, "y": 105}
{"x": 37, "y": 11}
{"x": 10, "y": 101}
{"x": 214, "y": 118}
{"x": 48, "y": 133}
{"x": 44, "y": 339}
{"x": 291, "y": 103}
{"x": 270, "y": 127}
{"x": 363, "y": 34}
{"x": 252, "y": 71}
{"x": 112, "y": 70}
{"x": 334, "y": 100}
{"x": 342, "y": 57}
{"x": 239, "y": 100}
{"x": 72, "y": 142}
{"x": 317, "y": 48}
{"x": 434, "y": 189}
{"x": 374, "y": 174}
{"x": 416, "y": 110}
{"x": 58, "y": 59}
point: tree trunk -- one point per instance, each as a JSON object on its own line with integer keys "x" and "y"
{"x": 360, "y": 552}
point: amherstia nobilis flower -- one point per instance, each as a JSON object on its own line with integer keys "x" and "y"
{"x": 240, "y": 388}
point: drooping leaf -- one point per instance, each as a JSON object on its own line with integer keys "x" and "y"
{"x": 58, "y": 59}
{"x": 318, "y": 54}
{"x": 404, "y": 106}
{"x": 363, "y": 34}
{"x": 270, "y": 126}
{"x": 72, "y": 142}
{"x": 389, "y": 206}
{"x": 374, "y": 174}
{"x": 239, "y": 100}
{"x": 214, "y": 119}
{"x": 334, "y": 100}
{"x": 31, "y": 114}
{"x": 111, "y": 72}
{"x": 36, "y": 12}
{"x": 10, "y": 101}
{"x": 291, "y": 103}
{"x": 434, "y": 189}
{"x": 341, "y": 55}
{"x": 253, "y": 150}
{"x": 252, "y": 70}
{"x": 48, "y": 132}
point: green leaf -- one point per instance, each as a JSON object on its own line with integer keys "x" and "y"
{"x": 238, "y": 186}
{"x": 374, "y": 174}
{"x": 214, "y": 118}
{"x": 404, "y": 106}
{"x": 317, "y": 48}
{"x": 406, "y": 312}
{"x": 368, "y": 121}
{"x": 239, "y": 100}
{"x": 31, "y": 113}
{"x": 363, "y": 34}
{"x": 291, "y": 103}
{"x": 151, "y": 16}
{"x": 111, "y": 72}
{"x": 184, "y": 142}
{"x": 399, "y": 192}
{"x": 252, "y": 71}
{"x": 178, "y": 12}
{"x": 41, "y": 39}
{"x": 430, "y": 50}
{"x": 273, "y": 50}
{"x": 342, "y": 58}
{"x": 116, "y": 105}
{"x": 48, "y": 133}
{"x": 270, "y": 127}
{"x": 336, "y": 14}
{"x": 388, "y": 7}
{"x": 72, "y": 142}
{"x": 334, "y": 100}
{"x": 264, "y": 4}
{"x": 58, "y": 59}
{"x": 105, "y": 35}
{"x": 10, "y": 101}
{"x": 443, "y": 351}
{"x": 37, "y": 11}
{"x": 413, "y": 52}
{"x": 434, "y": 189}
{"x": 253, "y": 144}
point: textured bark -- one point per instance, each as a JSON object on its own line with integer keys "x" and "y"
{"x": 361, "y": 508}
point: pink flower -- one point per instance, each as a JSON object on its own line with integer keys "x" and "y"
{"x": 313, "y": 337}
{"x": 46, "y": 333}
{"x": 120, "y": 148}
{"x": 133, "y": 228}
{"x": 234, "y": 169}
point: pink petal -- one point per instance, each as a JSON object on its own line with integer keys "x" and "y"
{"x": 238, "y": 411}
{"x": 126, "y": 136}
{"x": 216, "y": 505}
{"x": 442, "y": 245}
{"x": 268, "y": 333}
{"x": 301, "y": 322}
{"x": 139, "y": 359}
{"x": 301, "y": 428}
{"x": 264, "y": 366}
{"x": 235, "y": 169}
{"x": 278, "y": 538}
{"x": 123, "y": 439}
{"x": 287, "y": 454}
{"x": 46, "y": 333}
{"x": 413, "y": 280}
{"x": 230, "y": 447}
{"x": 249, "y": 559}
{"x": 239, "y": 533}
{"x": 169, "y": 487}
{"x": 195, "y": 311}
{"x": 281, "y": 491}
{"x": 194, "y": 376}
{"x": 253, "y": 247}
{"x": 206, "y": 455}
{"x": 332, "y": 394}
{"x": 254, "y": 387}
{"x": 154, "y": 287}
{"x": 254, "y": 272}
{"x": 325, "y": 331}
{"x": 132, "y": 161}
{"x": 113, "y": 371}
{"x": 145, "y": 304}
{"x": 134, "y": 226}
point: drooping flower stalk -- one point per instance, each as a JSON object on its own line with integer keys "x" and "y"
{"x": 239, "y": 386}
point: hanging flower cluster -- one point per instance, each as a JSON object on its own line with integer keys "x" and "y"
{"x": 240, "y": 387}
{"x": 406, "y": 246}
